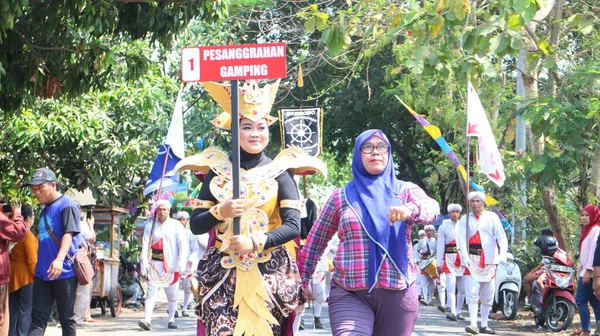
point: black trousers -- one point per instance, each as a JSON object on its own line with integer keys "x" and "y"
{"x": 20, "y": 303}
{"x": 44, "y": 293}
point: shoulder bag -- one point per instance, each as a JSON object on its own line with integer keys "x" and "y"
{"x": 81, "y": 263}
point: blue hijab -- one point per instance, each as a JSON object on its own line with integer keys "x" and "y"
{"x": 370, "y": 197}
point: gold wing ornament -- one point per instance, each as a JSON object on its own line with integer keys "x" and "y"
{"x": 255, "y": 102}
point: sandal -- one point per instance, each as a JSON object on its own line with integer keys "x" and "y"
{"x": 577, "y": 332}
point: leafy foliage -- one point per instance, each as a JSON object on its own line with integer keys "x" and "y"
{"x": 48, "y": 48}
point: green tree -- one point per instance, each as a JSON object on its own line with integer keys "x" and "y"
{"x": 48, "y": 48}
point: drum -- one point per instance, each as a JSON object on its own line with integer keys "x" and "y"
{"x": 428, "y": 267}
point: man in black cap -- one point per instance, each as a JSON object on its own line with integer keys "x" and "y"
{"x": 58, "y": 236}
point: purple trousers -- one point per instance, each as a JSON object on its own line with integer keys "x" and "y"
{"x": 383, "y": 312}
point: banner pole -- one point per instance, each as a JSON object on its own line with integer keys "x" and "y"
{"x": 304, "y": 185}
{"x": 235, "y": 149}
{"x": 158, "y": 192}
{"x": 467, "y": 194}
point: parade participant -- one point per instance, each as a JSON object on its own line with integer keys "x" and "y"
{"x": 83, "y": 295}
{"x": 23, "y": 258}
{"x": 448, "y": 262}
{"x": 417, "y": 260}
{"x": 487, "y": 247}
{"x": 427, "y": 250}
{"x": 318, "y": 284}
{"x": 11, "y": 230}
{"x": 192, "y": 263}
{"x": 590, "y": 219}
{"x": 167, "y": 240}
{"x": 249, "y": 283}
{"x": 372, "y": 290}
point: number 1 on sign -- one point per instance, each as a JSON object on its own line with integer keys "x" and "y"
{"x": 190, "y": 69}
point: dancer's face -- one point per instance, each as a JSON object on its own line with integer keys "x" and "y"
{"x": 254, "y": 135}
{"x": 376, "y": 157}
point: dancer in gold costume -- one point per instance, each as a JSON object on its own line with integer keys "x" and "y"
{"x": 248, "y": 283}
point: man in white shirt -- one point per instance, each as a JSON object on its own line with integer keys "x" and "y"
{"x": 417, "y": 257}
{"x": 448, "y": 262}
{"x": 427, "y": 250}
{"x": 195, "y": 256}
{"x": 168, "y": 243}
{"x": 83, "y": 295}
{"x": 486, "y": 247}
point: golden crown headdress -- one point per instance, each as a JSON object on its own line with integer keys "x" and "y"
{"x": 254, "y": 102}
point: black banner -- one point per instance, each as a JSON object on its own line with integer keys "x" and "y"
{"x": 302, "y": 127}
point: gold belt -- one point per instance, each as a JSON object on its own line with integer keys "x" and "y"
{"x": 451, "y": 249}
{"x": 157, "y": 256}
{"x": 475, "y": 251}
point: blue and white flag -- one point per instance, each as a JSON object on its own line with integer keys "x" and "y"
{"x": 171, "y": 151}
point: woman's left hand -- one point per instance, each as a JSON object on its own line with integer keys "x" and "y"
{"x": 241, "y": 244}
{"x": 399, "y": 214}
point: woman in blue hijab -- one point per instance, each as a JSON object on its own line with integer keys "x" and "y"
{"x": 373, "y": 291}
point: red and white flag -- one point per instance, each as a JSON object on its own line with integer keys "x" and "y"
{"x": 479, "y": 126}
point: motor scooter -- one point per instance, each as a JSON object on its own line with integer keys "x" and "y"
{"x": 554, "y": 304}
{"x": 508, "y": 287}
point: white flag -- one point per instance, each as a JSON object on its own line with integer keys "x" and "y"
{"x": 170, "y": 152}
{"x": 479, "y": 126}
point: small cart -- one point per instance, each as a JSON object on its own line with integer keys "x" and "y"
{"x": 106, "y": 290}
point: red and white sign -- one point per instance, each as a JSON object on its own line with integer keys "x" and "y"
{"x": 233, "y": 62}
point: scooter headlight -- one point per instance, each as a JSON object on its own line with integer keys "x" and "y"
{"x": 509, "y": 266}
{"x": 562, "y": 282}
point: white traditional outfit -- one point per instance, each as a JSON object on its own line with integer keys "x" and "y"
{"x": 319, "y": 293}
{"x": 417, "y": 257}
{"x": 448, "y": 259}
{"x": 487, "y": 247}
{"x": 192, "y": 265}
{"x": 427, "y": 249}
{"x": 167, "y": 262}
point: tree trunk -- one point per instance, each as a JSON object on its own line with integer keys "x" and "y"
{"x": 548, "y": 194}
{"x": 549, "y": 205}
{"x": 584, "y": 182}
{"x": 595, "y": 173}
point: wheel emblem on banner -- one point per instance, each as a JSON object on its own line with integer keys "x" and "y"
{"x": 301, "y": 134}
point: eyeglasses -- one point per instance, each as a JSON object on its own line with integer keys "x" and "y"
{"x": 369, "y": 148}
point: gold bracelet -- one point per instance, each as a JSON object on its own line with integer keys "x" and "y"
{"x": 258, "y": 242}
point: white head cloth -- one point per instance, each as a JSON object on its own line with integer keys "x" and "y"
{"x": 429, "y": 227}
{"x": 421, "y": 232}
{"x": 454, "y": 206}
{"x": 182, "y": 215}
{"x": 162, "y": 202}
{"x": 476, "y": 194}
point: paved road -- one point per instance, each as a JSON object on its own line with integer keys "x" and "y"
{"x": 430, "y": 323}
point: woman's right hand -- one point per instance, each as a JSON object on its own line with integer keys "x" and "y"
{"x": 232, "y": 208}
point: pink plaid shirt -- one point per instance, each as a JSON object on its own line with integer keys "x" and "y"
{"x": 351, "y": 260}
